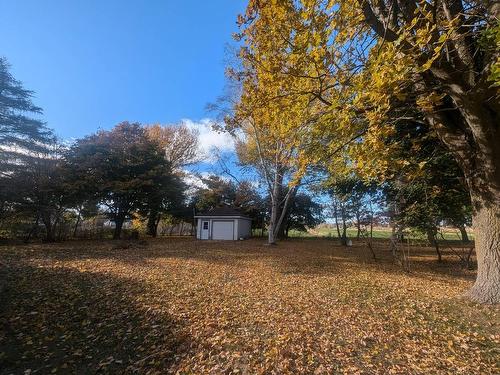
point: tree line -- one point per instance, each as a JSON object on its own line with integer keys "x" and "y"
{"x": 131, "y": 173}
{"x": 128, "y": 170}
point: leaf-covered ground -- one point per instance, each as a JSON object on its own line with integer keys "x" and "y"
{"x": 181, "y": 306}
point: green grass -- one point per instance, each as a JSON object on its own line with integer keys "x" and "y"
{"x": 380, "y": 233}
{"x": 332, "y": 232}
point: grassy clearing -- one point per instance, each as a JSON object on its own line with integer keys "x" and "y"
{"x": 305, "y": 306}
{"x": 380, "y": 232}
{"x": 332, "y": 233}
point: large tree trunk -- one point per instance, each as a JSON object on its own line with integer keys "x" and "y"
{"x": 285, "y": 226}
{"x": 118, "y": 227}
{"x": 483, "y": 179}
{"x": 153, "y": 221}
{"x": 486, "y": 223}
{"x": 271, "y": 229}
{"x": 339, "y": 235}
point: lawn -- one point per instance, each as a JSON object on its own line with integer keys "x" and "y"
{"x": 188, "y": 307}
{"x": 449, "y": 234}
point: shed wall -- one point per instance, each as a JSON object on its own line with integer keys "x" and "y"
{"x": 241, "y": 226}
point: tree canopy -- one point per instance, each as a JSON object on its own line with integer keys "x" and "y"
{"x": 121, "y": 168}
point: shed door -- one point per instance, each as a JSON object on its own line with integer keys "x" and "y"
{"x": 205, "y": 225}
{"x": 223, "y": 230}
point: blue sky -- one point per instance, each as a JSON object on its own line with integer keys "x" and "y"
{"x": 95, "y": 63}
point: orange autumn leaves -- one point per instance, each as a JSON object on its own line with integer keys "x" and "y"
{"x": 181, "y": 306}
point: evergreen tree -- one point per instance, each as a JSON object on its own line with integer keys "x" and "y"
{"x": 23, "y": 141}
{"x": 20, "y": 133}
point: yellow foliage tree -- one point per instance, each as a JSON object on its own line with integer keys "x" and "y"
{"x": 271, "y": 116}
{"x": 360, "y": 67}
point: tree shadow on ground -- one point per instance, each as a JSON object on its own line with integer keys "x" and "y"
{"x": 60, "y": 320}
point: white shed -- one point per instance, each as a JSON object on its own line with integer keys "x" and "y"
{"x": 223, "y": 223}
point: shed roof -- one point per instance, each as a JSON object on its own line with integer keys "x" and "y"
{"x": 222, "y": 211}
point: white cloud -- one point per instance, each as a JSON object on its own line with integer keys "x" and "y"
{"x": 210, "y": 140}
{"x": 193, "y": 179}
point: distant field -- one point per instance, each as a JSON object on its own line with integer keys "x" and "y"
{"x": 448, "y": 234}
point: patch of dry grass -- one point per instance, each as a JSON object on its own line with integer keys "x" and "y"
{"x": 305, "y": 306}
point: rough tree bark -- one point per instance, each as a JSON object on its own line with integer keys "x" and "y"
{"x": 486, "y": 223}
